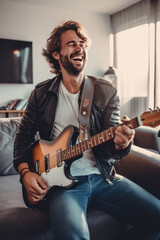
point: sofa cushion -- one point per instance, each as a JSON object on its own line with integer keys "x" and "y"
{"x": 148, "y": 138}
{"x": 10, "y": 192}
{"x": 27, "y": 224}
{"x": 142, "y": 167}
{"x": 8, "y": 129}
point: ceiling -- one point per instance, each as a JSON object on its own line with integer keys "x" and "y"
{"x": 101, "y": 6}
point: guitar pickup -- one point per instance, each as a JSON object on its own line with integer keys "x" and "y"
{"x": 37, "y": 167}
{"x": 59, "y": 157}
{"x": 47, "y": 163}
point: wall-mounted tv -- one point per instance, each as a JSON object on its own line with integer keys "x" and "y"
{"x": 15, "y": 61}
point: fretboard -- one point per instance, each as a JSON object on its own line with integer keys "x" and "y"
{"x": 95, "y": 140}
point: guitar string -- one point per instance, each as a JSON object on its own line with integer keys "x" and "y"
{"x": 96, "y": 138}
{"x": 109, "y": 134}
{"x": 133, "y": 123}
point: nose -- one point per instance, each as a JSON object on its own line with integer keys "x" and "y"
{"x": 78, "y": 47}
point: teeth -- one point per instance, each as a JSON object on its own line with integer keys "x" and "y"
{"x": 78, "y": 58}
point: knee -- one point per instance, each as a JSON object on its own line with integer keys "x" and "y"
{"x": 71, "y": 229}
{"x": 68, "y": 222}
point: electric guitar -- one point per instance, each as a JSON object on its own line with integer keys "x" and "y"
{"x": 52, "y": 159}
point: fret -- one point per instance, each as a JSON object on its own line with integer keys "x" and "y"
{"x": 94, "y": 138}
{"x": 109, "y": 134}
{"x": 98, "y": 139}
{"x": 133, "y": 123}
{"x": 64, "y": 155}
{"x": 68, "y": 152}
{"x": 113, "y": 131}
{"x": 101, "y": 137}
{"x": 77, "y": 148}
{"x": 83, "y": 146}
{"x": 89, "y": 143}
{"x": 129, "y": 123}
{"x": 73, "y": 151}
{"x": 106, "y": 135}
{"x": 136, "y": 122}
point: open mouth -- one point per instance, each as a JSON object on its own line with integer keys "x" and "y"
{"x": 77, "y": 58}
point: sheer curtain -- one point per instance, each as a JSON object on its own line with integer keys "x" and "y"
{"x": 136, "y": 56}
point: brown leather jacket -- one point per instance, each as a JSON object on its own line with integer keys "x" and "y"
{"x": 40, "y": 114}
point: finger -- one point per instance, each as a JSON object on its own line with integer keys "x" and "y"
{"x": 121, "y": 140}
{"x": 124, "y": 130}
{"x": 31, "y": 183}
{"x": 42, "y": 183}
{"x": 37, "y": 189}
{"x": 127, "y": 130}
{"x": 125, "y": 118}
{"x": 120, "y": 131}
{"x": 119, "y": 137}
{"x": 36, "y": 198}
{"x": 36, "y": 192}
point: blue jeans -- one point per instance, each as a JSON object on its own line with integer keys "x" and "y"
{"x": 124, "y": 200}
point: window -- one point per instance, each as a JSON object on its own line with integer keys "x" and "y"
{"x": 136, "y": 43}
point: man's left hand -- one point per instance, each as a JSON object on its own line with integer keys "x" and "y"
{"x": 123, "y": 135}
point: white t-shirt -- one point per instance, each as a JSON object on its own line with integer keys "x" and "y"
{"x": 67, "y": 114}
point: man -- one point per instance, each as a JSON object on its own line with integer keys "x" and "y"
{"x": 53, "y": 105}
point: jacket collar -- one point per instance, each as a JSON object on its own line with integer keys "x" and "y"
{"x": 55, "y": 84}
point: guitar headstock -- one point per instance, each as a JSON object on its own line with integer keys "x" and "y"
{"x": 151, "y": 118}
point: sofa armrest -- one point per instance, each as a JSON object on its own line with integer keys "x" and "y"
{"x": 147, "y": 137}
{"x": 142, "y": 167}
{"x": 8, "y": 129}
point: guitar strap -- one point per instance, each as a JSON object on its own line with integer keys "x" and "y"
{"x": 85, "y": 108}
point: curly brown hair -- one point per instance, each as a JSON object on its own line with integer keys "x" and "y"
{"x": 54, "y": 42}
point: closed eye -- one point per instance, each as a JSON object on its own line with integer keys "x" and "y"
{"x": 74, "y": 44}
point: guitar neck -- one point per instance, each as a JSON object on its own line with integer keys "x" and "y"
{"x": 96, "y": 140}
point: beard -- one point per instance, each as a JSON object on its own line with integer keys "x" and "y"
{"x": 69, "y": 67}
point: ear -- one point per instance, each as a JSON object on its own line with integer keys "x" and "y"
{"x": 55, "y": 55}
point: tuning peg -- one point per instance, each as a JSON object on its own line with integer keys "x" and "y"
{"x": 158, "y": 109}
{"x": 151, "y": 111}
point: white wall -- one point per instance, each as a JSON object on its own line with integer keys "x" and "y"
{"x": 29, "y": 22}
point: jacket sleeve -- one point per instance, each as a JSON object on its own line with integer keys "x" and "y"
{"x": 26, "y": 133}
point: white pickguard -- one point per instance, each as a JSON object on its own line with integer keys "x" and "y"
{"x": 56, "y": 177}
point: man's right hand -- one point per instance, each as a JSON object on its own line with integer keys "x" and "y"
{"x": 35, "y": 186}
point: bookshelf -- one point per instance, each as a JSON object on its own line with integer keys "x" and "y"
{"x": 7, "y": 113}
